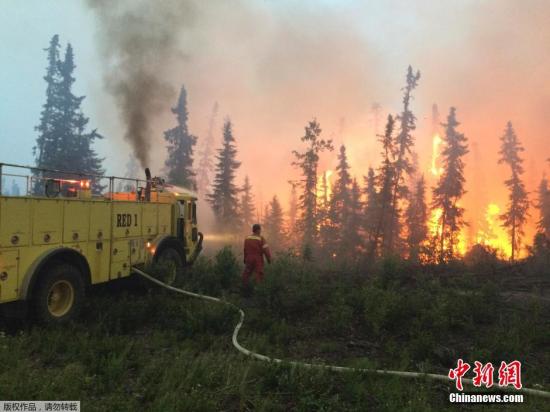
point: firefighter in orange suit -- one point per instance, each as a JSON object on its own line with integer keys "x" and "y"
{"x": 255, "y": 248}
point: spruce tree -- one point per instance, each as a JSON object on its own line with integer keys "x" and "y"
{"x": 339, "y": 208}
{"x": 308, "y": 162}
{"x": 292, "y": 213}
{"x": 224, "y": 196}
{"x": 63, "y": 142}
{"x": 247, "y": 206}
{"x": 274, "y": 225}
{"x": 48, "y": 143}
{"x": 180, "y": 143}
{"x": 351, "y": 241}
{"x": 372, "y": 212}
{"x": 325, "y": 223}
{"x": 404, "y": 142}
{"x": 543, "y": 204}
{"x": 518, "y": 203}
{"x": 417, "y": 216}
{"x": 206, "y": 164}
{"x": 450, "y": 189}
{"x": 387, "y": 223}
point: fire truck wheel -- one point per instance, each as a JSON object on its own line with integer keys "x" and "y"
{"x": 59, "y": 294}
{"x": 171, "y": 264}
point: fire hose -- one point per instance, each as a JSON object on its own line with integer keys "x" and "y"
{"x": 258, "y": 356}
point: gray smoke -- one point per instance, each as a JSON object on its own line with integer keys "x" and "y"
{"x": 139, "y": 42}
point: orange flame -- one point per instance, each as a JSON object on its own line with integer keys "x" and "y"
{"x": 436, "y": 151}
{"x": 492, "y": 234}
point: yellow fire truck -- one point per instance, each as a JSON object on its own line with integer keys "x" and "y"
{"x": 59, "y": 238}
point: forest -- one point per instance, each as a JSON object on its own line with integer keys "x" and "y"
{"x": 379, "y": 263}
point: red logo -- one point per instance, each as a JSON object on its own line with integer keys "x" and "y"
{"x": 508, "y": 374}
{"x": 458, "y": 373}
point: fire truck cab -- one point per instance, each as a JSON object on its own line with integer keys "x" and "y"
{"x": 60, "y": 238}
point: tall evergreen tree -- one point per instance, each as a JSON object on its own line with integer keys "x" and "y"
{"x": 543, "y": 204}
{"x": 417, "y": 217}
{"x": 248, "y": 209}
{"x": 387, "y": 223}
{"x": 351, "y": 241}
{"x": 404, "y": 142}
{"x": 292, "y": 213}
{"x": 224, "y": 196}
{"x": 206, "y": 164}
{"x": 308, "y": 162}
{"x": 63, "y": 142}
{"x": 518, "y": 203}
{"x": 325, "y": 223}
{"x": 339, "y": 208}
{"x": 450, "y": 189}
{"x": 179, "y": 144}
{"x": 47, "y": 143}
{"x": 274, "y": 225}
{"x": 372, "y": 212}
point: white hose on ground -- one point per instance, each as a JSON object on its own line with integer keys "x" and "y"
{"x": 265, "y": 358}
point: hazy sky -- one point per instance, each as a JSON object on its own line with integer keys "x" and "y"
{"x": 273, "y": 65}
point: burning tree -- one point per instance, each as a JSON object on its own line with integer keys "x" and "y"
{"x": 371, "y": 211}
{"x": 224, "y": 196}
{"x": 351, "y": 240}
{"x": 308, "y": 162}
{"x": 402, "y": 165}
{"x": 180, "y": 142}
{"x": 449, "y": 190}
{"x": 515, "y": 216}
{"x": 385, "y": 221}
{"x": 417, "y": 216}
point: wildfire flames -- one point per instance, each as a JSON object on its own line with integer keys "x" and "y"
{"x": 326, "y": 177}
{"x": 436, "y": 167}
{"x": 434, "y": 224}
{"x": 492, "y": 234}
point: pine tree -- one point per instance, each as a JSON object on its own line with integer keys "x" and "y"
{"x": 87, "y": 159}
{"x": 325, "y": 223}
{"x": 63, "y": 142}
{"x": 308, "y": 162}
{"x": 247, "y": 206}
{"x": 274, "y": 225}
{"x": 292, "y": 213}
{"x": 180, "y": 143}
{"x": 372, "y": 211}
{"x": 518, "y": 205}
{"x": 417, "y": 216}
{"x": 543, "y": 204}
{"x": 224, "y": 196}
{"x": 351, "y": 242}
{"x": 450, "y": 189}
{"x": 339, "y": 208}
{"x": 404, "y": 142}
{"x": 387, "y": 223}
{"x": 206, "y": 165}
{"x": 48, "y": 144}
